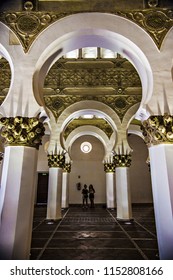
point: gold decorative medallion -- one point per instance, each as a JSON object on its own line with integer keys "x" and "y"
{"x": 27, "y": 25}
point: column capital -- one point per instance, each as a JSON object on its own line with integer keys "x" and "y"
{"x": 158, "y": 129}
{"x": 67, "y": 168}
{"x": 56, "y": 160}
{"x": 109, "y": 167}
{"x": 22, "y": 131}
{"x": 122, "y": 160}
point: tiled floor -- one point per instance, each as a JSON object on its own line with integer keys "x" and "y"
{"x": 94, "y": 234}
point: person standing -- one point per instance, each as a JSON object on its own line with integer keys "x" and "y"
{"x": 85, "y": 196}
{"x": 91, "y": 195}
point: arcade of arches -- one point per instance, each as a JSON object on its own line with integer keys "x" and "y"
{"x": 86, "y": 96}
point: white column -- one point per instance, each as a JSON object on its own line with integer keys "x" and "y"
{"x": 17, "y": 202}
{"x": 161, "y": 162}
{"x": 124, "y": 207}
{"x": 1, "y": 164}
{"x": 65, "y": 190}
{"x": 110, "y": 190}
{"x": 54, "y": 193}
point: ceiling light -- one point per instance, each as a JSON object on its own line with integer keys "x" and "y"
{"x": 86, "y": 147}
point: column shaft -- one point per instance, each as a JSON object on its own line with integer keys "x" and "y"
{"x": 65, "y": 190}
{"x": 17, "y": 202}
{"x": 54, "y": 193}
{"x": 110, "y": 190}
{"x": 161, "y": 162}
{"x": 124, "y": 208}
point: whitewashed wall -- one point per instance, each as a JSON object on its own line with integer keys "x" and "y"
{"x": 90, "y": 169}
{"x": 140, "y": 179}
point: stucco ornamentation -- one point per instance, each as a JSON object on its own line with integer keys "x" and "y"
{"x": 158, "y": 129}
{"x": 109, "y": 167}
{"x": 22, "y": 131}
{"x": 56, "y": 160}
{"x": 67, "y": 168}
{"x": 122, "y": 160}
{"x": 27, "y": 25}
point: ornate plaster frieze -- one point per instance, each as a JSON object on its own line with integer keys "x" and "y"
{"x": 56, "y": 160}
{"x": 117, "y": 84}
{"x": 158, "y": 130}
{"x": 117, "y": 73}
{"x": 109, "y": 167}
{"x": 156, "y": 22}
{"x": 67, "y": 167}
{"x": 122, "y": 160}
{"x": 22, "y": 131}
{"x": 5, "y": 78}
{"x": 100, "y": 123}
{"x": 120, "y": 104}
{"x": 27, "y": 25}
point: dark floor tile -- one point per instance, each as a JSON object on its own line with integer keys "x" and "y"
{"x": 41, "y": 234}
{"x": 140, "y": 234}
{"x": 46, "y": 227}
{"x": 133, "y": 228}
{"x": 35, "y": 224}
{"x": 147, "y": 243}
{"x": 38, "y": 242}
{"x": 34, "y": 253}
{"x": 100, "y": 254}
{"x": 151, "y": 254}
{"x": 89, "y": 228}
{"x": 89, "y": 234}
{"x": 94, "y": 234}
{"x": 91, "y": 243}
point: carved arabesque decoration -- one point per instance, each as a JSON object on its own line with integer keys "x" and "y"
{"x": 67, "y": 167}
{"x": 5, "y": 77}
{"x": 109, "y": 167}
{"x": 27, "y": 25}
{"x": 22, "y": 131}
{"x": 114, "y": 82}
{"x": 56, "y": 160}
{"x": 156, "y": 22}
{"x": 122, "y": 160}
{"x": 57, "y": 104}
{"x": 158, "y": 129}
{"x": 117, "y": 73}
{"x": 100, "y": 123}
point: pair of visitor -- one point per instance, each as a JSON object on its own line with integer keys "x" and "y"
{"x": 88, "y": 192}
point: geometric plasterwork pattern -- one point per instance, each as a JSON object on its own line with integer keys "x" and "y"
{"x": 56, "y": 160}
{"x": 113, "y": 82}
{"x": 117, "y": 73}
{"x": 100, "y": 123}
{"x": 109, "y": 167}
{"x": 22, "y": 131}
{"x": 158, "y": 130}
{"x": 5, "y": 77}
{"x": 122, "y": 160}
{"x": 27, "y": 25}
{"x": 120, "y": 104}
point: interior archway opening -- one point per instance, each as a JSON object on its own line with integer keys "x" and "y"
{"x": 87, "y": 168}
